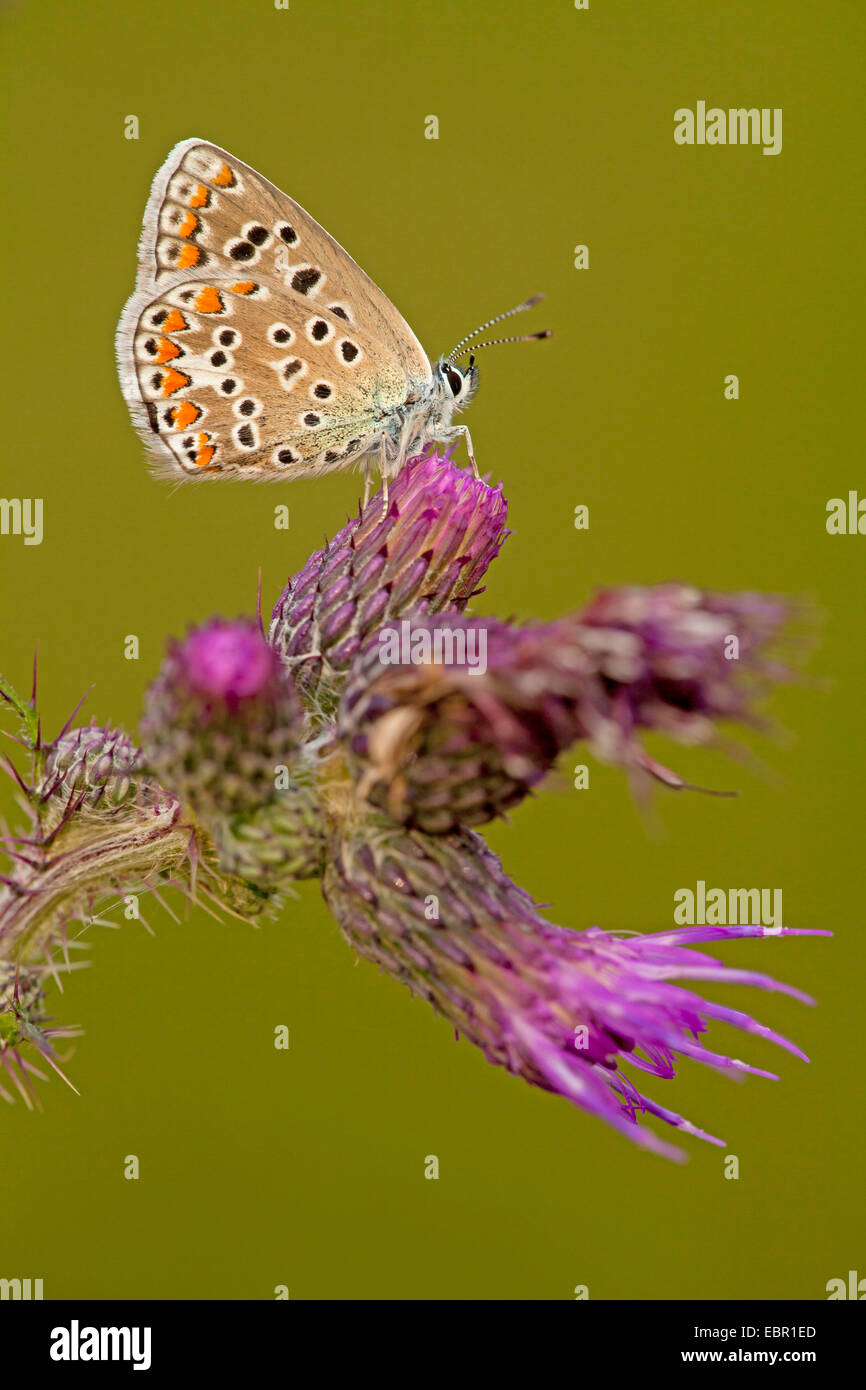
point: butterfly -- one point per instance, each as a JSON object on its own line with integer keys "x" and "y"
{"x": 253, "y": 345}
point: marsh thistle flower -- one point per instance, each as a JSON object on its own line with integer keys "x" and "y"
{"x": 361, "y": 742}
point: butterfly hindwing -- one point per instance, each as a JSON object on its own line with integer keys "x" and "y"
{"x": 253, "y": 341}
{"x": 234, "y": 377}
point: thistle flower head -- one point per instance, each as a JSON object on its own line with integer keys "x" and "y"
{"x": 226, "y": 664}
{"x": 676, "y": 659}
{"x": 220, "y": 717}
{"x": 563, "y": 1009}
{"x": 450, "y": 721}
{"x": 442, "y": 530}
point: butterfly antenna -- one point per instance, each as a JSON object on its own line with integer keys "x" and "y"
{"x": 494, "y": 342}
{"x": 518, "y": 309}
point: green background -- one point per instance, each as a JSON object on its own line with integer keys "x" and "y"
{"x": 305, "y": 1167}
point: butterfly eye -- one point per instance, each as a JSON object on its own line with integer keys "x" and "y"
{"x": 455, "y": 381}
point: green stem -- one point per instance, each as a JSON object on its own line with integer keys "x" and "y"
{"x": 24, "y": 709}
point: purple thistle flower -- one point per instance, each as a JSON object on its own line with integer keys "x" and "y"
{"x": 442, "y": 530}
{"x": 451, "y": 721}
{"x": 219, "y": 719}
{"x": 679, "y": 660}
{"x": 456, "y": 741}
{"x": 562, "y": 1009}
{"x": 382, "y": 761}
{"x": 226, "y": 663}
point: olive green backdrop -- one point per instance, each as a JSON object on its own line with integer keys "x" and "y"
{"x": 306, "y": 1167}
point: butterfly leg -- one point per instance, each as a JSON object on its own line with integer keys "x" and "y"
{"x": 366, "y": 485}
{"x": 383, "y": 466}
{"x": 461, "y": 429}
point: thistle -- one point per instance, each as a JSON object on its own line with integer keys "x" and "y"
{"x": 562, "y": 1009}
{"x": 359, "y": 743}
{"x": 223, "y": 729}
{"x": 219, "y": 717}
{"x": 443, "y": 528}
{"x": 443, "y": 743}
{"x": 24, "y": 1026}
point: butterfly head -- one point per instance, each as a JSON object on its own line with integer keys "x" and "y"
{"x": 457, "y": 385}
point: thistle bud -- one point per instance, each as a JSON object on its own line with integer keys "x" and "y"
{"x": 220, "y": 719}
{"x": 94, "y": 768}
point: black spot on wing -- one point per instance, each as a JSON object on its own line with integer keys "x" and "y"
{"x": 306, "y": 279}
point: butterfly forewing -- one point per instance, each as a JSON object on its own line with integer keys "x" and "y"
{"x": 254, "y": 343}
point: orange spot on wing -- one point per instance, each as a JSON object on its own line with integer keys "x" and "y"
{"x": 166, "y": 350}
{"x": 208, "y": 301}
{"x": 243, "y": 287}
{"x": 205, "y": 451}
{"x": 175, "y": 323}
{"x": 184, "y": 415}
{"x": 189, "y": 255}
{"x": 172, "y": 381}
{"x": 225, "y": 178}
{"x": 200, "y": 197}
{"x": 188, "y": 225}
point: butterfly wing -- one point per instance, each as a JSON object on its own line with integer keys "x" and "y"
{"x": 253, "y": 343}
{"x": 231, "y": 377}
